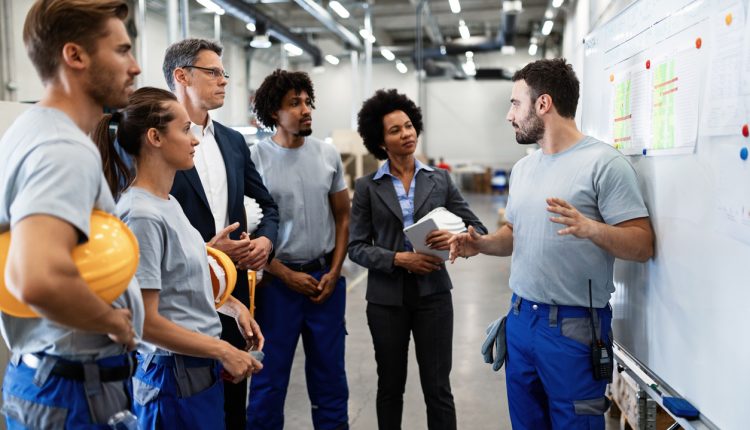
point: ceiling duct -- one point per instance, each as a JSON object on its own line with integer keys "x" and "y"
{"x": 249, "y": 13}
{"x": 459, "y": 46}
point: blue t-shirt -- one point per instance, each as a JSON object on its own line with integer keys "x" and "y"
{"x": 49, "y": 166}
{"x": 598, "y": 181}
{"x": 301, "y": 181}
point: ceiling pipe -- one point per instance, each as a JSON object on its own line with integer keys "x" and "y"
{"x": 505, "y": 36}
{"x": 249, "y": 13}
{"x": 430, "y": 23}
{"x": 325, "y": 18}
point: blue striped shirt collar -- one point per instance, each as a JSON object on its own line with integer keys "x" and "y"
{"x": 385, "y": 169}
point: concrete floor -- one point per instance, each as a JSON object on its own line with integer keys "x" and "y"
{"x": 480, "y": 295}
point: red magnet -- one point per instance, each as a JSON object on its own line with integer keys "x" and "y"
{"x": 745, "y": 131}
{"x": 698, "y": 43}
{"x": 648, "y": 64}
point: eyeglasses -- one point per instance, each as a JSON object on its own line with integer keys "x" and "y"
{"x": 214, "y": 73}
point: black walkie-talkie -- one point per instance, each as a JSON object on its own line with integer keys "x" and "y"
{"x": 601, "y": 355}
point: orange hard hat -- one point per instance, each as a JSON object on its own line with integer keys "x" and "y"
{"x": 223, "y": 275}
{"x": 107, "y": 262}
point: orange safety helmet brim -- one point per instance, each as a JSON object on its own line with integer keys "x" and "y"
{"x": 107, "y": 262}
{"x": 230, "y": 276}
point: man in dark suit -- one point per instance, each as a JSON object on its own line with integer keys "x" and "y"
{"x": 212, "y": 193}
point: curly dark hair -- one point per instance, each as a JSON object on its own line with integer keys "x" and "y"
{"x": 370, "y": 118}
{"x": 556, "y": 78}
{"x": 271, "y": 93}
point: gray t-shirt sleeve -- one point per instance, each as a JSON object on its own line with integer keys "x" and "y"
{"x": 44, "y": 186}
{"x": 619, "y": 197}
{"x": 151, "y": 249}
{"x": 337, "y": 184}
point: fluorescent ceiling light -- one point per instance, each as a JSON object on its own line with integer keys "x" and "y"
{"x": 508, "y": 50}
{"x": 387, "y": 54}
{"x": 249, "y": 130}
{"x": 401, "y": 67}
{"x": 339, "y": 9}
{"x": 211, "y": 6}
{"x": 463, "y": 29}
{"x": 455, "y": 6}
{"x": 512, "y": 6}
{"x": 260, "y": 41}
{"x": 547, "y": 27}
{"x": 332, "y": 59}
{"x": 557, "y": 3}
{"x": 250, "y": 26}
{"x": 367, "y": 35}
{"x": 532, "y": 49}
{"x": 293, "y": 50}
{"x": 549, "y": 14}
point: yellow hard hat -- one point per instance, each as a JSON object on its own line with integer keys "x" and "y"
{"x": 223, "y": 275}
{"x": 107, "y": 262}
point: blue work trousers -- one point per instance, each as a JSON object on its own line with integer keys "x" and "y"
{"x": 284, "y": 315}
{"x": 33, "y": 400}
{"x": 195, "y": 401}
{"x": 548, "y": 371}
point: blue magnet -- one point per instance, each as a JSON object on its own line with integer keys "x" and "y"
{"x": 644, "y": 151}
{"x": 743, "y": 153}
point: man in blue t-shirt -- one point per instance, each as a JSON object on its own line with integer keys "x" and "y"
{"x": 574, "y": 206}
{"x": 306, "y": 294}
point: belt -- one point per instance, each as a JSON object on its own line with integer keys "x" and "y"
{"x": 312, "y": 265}
{"x": 74, "y": 370}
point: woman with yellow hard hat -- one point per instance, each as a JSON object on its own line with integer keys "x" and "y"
{"x": 178, "y": 382}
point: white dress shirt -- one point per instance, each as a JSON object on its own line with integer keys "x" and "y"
{"x": 213, "y": 172}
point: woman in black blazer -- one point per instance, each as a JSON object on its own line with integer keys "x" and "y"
{"x": 407, "y": 292}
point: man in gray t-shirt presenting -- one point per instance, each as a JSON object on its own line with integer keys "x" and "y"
{"x": 574, "y": 206}
{"x": 306, "y": 294}
{"x": 70, "y": 367}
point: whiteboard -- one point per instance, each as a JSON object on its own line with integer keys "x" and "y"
{"x": 686, "y": 313}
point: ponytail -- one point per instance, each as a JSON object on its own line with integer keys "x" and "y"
{"x": 116, "y": 170}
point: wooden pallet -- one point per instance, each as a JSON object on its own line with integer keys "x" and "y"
{"x": 634, "y": 408}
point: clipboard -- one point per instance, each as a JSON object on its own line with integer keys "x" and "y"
{"x": 417, "y": 234}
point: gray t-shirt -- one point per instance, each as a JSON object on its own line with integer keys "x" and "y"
{"x": 300, "y": 181}
{"x": 49, "y": 166}
{"x": 173, "y": 260}
{"x": 598, "y": 181}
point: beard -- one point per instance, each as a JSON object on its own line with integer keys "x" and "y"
{"x": 304, "y": 132}
{"x": 531, "y": 132}
{"x": 105, "y": 90}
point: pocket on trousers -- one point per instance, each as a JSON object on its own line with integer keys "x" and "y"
{"x": 144, "y": 393}
{"x": 34, "y": 415}
{"x": 196, "y": 380}
{"x": 596, "y": 406}
{"x": 578, "y": 329}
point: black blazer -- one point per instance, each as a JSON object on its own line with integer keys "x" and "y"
{"x": 376, "y": 231}
{"x": 242, "y": 180}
